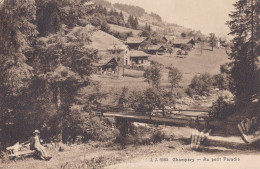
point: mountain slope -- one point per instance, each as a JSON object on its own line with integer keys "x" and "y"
{"x": 145, "y": 18}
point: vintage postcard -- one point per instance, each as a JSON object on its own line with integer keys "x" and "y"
{"x": 115, "y": 84}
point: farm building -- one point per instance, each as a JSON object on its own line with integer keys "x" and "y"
{"x": 168, "y": 39}
{"x": 107, "y": 65}
{"x": 138, "y": 57}
{"x": 183, "y": 43}
{"x": 121, "y": 52}
{"x": 135, "y": 42}
{"x": 156, "y": 49}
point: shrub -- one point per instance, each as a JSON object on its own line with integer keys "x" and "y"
{"x": 190, "y": 92}
{"x": 179, "y": 52}
{"x": 200, "y": 85}
{"x": 95, "y": 21}
{"x": 105, "y": 27}
{"x": 221, "y": 81}
{"x": 222, "y": 108}
{"x": 157, "y": 136}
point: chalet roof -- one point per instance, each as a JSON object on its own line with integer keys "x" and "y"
{"x": 117, "y": 47}
{"x": 181, "y": 41}
{"x": 201, "y": 39}
{"x": 137, "y": 53}
{"x": 135, "y": 40}
{"x": 155, "y": 47}
{"x": 104, "y": 61}
{"x": 169, "y": 37}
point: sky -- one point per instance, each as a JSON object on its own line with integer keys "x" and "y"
{"x": 208, "y": 16}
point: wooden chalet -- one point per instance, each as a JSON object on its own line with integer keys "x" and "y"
{"x": 121, "y": 51}
{"x": 138, "y": 57}
{"x": 107, "y": 65}
{"x": 168, "y": 39}
{"x": 135, "y": 42}
{"x": 156, "y": 49}
{"x": 183, "y": 43}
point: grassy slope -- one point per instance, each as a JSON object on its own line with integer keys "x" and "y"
{"x": 124, "y": 29}
{"x": 195, "y": 63}
{"x": 191, "y": 65}
{"x": 102, "y": 40}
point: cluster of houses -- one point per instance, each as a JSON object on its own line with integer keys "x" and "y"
{"x": 136, "y": 51}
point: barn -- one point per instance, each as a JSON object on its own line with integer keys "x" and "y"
{"x": 107, "y": 66}
{"x": 183, "y": 43}
{"x": 156, "y": 49}
{"x": 135, "y": 42}
{"x": 138, "y": 57}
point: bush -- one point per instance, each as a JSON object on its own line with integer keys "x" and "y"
{"x": 141, "y": 135}
{"x": 221, "y": 81}
{"x": 95, "y": 21}
{"x": 222, "y": 108}
{"x": 200, "y": 85}
{"x": 105, "y": 27}
{"x": 190, "y": 92}
{"x": 157, "y": 136}
{"x": 182, "y": 52}
{"x": 179, "y": 52}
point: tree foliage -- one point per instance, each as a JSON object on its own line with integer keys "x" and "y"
{"x": 244, "y": 26}
{"x": 174, "y": 77}
{"x": 153, "y": 75}
{"x": 200, "y": 85}
{"x": 212, "y": 40}
{"x": 133, "y": 22}
{"x": 148, "y": 100}
{"x": 42, "y": 66}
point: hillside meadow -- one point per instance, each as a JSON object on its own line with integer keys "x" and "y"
{"x": 193, "y": 64}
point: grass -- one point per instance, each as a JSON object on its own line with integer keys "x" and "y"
{"x": 123, "y": 29}
{"x": 102, "y": 41}
{"x": 194, "y": 63}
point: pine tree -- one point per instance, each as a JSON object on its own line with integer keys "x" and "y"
{"x": 122, "y": 16}
{"x": 136, "y": 24}
{"x": 245, "y": 28}
{"x": 17, "y": 34}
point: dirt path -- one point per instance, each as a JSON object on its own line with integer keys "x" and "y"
{"x": 97, "y": 155}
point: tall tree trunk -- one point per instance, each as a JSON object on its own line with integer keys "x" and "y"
{"x": 58, "y": 105}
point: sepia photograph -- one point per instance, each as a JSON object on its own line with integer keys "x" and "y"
{"x": 129, "y": 84}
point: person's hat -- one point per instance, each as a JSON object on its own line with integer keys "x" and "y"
{"x": 36, "y": 131}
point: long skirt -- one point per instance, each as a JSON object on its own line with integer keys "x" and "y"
{"x": 40, "y": 149}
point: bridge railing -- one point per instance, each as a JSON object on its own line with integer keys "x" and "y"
{"x": 154, "y": 113}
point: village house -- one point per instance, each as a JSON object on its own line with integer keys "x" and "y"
{"x": 107, "y": 65}
{"x": 168, "y": 39}
{"x": 183, "y": 43}
{"x": 121, "y": 52}
{"x": 135, "y": 42}
{"x": 156, "y": 49}
{"x": 138, "y": 57}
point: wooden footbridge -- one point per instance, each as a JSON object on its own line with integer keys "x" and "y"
{"x": 169, "y": 117}
{"x": 199, "y": 119}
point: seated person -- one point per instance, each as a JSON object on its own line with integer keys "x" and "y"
{"x": 36, "y": 145}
